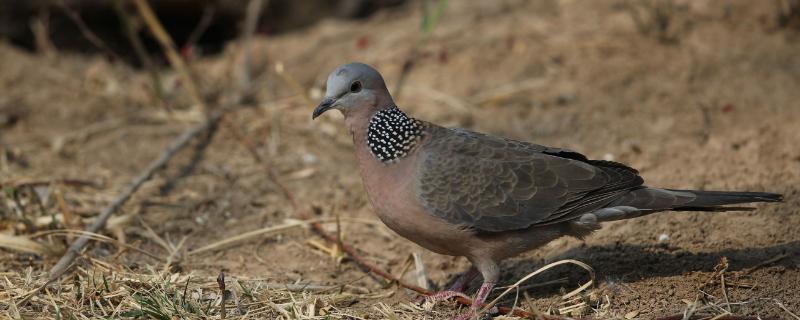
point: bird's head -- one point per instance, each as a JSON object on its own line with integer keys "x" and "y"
{"x": 355, "y": 89}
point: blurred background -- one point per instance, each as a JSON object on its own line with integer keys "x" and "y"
{"x": 695, "y": 94}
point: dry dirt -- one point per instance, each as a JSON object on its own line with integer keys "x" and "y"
{"x": 708, "y": 102}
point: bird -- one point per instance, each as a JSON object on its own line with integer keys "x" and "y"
{"x": 487, "y": 198}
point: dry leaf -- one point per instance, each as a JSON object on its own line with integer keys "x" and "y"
{"x": 302, "y": 174}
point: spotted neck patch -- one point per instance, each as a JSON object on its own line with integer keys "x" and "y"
{"x": 392, "y": 134}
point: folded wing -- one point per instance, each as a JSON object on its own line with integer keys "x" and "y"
{"x": 493, "y": 184}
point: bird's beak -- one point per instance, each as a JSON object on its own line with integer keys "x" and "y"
{"x": 323, "y": 106}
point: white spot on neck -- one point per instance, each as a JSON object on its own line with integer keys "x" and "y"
{"x": 392, "y": 134}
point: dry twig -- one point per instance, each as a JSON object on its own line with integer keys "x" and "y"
{"x": 780, "y": 304}
{"x": 84, "y": 29}
{"x": 766, "y": 263}
{"x": 132, "y": 33}
{"x": 202, "y": 26}
{"x": 250, "y": 24}
{"x": 166, "y": 42}
{"x": 221, "y": 283}
{"x": 74, "y": 250}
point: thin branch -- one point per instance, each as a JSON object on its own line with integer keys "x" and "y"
{"x": 179, "y": 143}
{"x": 131, "y": 32}
{"x": 166, "y": 42}
{"x": 268, "y": 168}
{"x": 250, "y": 24}
{"x": 74, "y": 250}
{"x": 202, "y": 26}
{"x": 245, "y": 84}
{"x": 300, "y": 287}
{"x": 84, "y": 29}
{"x": 254, "y": 8}
{"x": 767, "y": 262}
{"x": 78, "y": 183}
{"x": 40, "y": 27}
{"x": 724, "y": 317}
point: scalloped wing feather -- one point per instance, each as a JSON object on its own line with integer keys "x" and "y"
{"x": 493, "y": 184}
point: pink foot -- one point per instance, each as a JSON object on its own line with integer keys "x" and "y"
{"x": 477, "y": 304}
{"x": 456, "y": 289}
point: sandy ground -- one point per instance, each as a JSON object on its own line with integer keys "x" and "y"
{"x": 709, "y": 102}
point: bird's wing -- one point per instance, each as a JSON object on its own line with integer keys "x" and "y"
{"x": 493, "y": 184}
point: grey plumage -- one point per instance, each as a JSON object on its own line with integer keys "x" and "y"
{"x": 483, "y": 197}
{"x": 495, "y": 184}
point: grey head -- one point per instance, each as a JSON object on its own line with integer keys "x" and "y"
{"x": 354, "y": 88}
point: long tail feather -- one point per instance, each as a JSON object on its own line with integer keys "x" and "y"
{"x": 644, "y": 201}
{"x": 708, "y": 199}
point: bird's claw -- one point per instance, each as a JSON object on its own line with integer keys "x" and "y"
{"x": 428, "y": 302}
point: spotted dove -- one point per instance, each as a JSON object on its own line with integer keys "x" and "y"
{"x": 462, "y": 193}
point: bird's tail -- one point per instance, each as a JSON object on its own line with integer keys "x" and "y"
{"x": 645, "y": 200}
{"x": 714, "y": 200}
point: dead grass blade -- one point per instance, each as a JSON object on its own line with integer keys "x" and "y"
{"x": 245, "y": 236}
{"x": 419, "y": 272}
{"x": 289, "y": 224}
{"x": 780, "y": 304}
{"x": 25, "y": 244}
{"x": 543, "y": 269}
{"x": 94, "y": 236}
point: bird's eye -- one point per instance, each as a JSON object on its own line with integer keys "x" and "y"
{"x": 355, "y": 86}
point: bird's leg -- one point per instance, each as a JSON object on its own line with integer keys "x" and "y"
{"x": 463, "y": 280}
{"x": 477, "y": 303}
{"x": 491, "y": 273}
{"x": 457, "y": 289}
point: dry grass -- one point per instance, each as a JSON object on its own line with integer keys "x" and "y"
{"x": 102, "y": 290}
{"x": 109, "y": 290}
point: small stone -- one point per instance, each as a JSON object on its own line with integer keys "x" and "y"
{"x": 309, "y": 158}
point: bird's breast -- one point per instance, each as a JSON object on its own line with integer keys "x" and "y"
{"x": 390, "y": 186}
{"x": 391, "y": 189}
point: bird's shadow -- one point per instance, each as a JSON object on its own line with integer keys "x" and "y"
{"x": 628, "y": 262}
